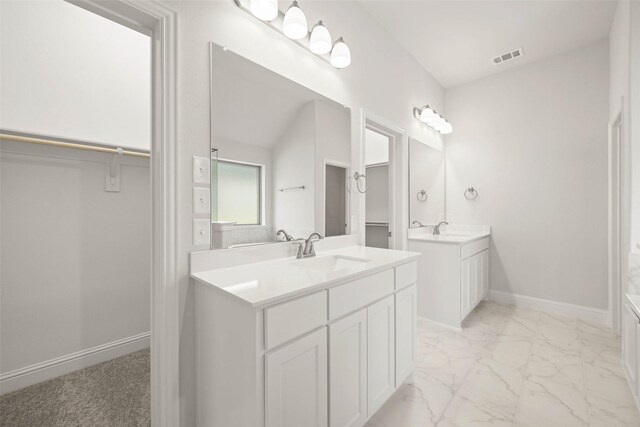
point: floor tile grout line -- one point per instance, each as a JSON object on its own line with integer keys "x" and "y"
{"x": 584, "y": 374}
{"x": 526, "y": 369}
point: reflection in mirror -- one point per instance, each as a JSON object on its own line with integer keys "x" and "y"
{"x": 377, "y": 148}
{"x": 426, "y": 184}
{"x": 275, "y": 141}
{"x": 336, "y": 199}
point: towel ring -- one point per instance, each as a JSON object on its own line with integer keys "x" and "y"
{"x": 422, "y": 196}
{"x": 357, "y": 176}
{"x": 471, "y": 194}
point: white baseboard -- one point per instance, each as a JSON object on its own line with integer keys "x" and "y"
{"x": 555, "y": 307}
{"x": 46, "y": 370}
{"x": 424, "y": 323}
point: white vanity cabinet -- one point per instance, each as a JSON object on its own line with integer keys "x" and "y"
{"x": 453, "y": 278}
{"x": 474, "y": 278}
{"x": 330, "y": 357}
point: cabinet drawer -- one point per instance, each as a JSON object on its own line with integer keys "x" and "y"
{"x": 406, "y": 275}
{"x": 359, "y": 293}
{"x": 473, "y": 248}
{"x": 294, "y": 318}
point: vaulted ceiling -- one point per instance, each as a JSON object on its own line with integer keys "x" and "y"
{"x": 456, "y": 40}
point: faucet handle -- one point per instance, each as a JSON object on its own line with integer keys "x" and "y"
{"x": 301, "y": 245}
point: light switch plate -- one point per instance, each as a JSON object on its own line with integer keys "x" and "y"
{"x": 201, "y": 170}
{"x": 201, "y": 232}
{"x": 201, "y": 201}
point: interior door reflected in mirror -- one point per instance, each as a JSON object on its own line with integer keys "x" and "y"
{"x": 377, "y": 155}
{"x": 426, "y": 184}
{"x": 275, "y": 141}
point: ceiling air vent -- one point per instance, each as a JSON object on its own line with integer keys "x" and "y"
{"x": 507, "y": 56}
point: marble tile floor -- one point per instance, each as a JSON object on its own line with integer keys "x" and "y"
{"x": 512, "y": 366}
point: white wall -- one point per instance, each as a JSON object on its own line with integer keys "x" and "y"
{"x": 398, "y": 85}
{"x": 333, "y": 145}
{"x": 293, "y": 166}
{"x": 70, "y": 73}
{"x": 75, "y": 259}
{"x": 533, "y": 142}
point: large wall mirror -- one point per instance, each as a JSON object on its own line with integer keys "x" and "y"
{"x": 281, "y": 156}
{"x": 426, "y": 184}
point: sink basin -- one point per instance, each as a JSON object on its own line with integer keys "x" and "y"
{"x": 330, "y": 263}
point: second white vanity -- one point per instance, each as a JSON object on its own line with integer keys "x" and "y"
{"x": 311, "y": 342}
{"x": 453, "y": 271}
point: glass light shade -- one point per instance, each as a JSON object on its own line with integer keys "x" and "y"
{"x": 320, "y": 40}
{"x": 340, "y": 54}
{"x": 434, "y": 119}
{"x": 266, "y": 10}
{"x": 447, "y": 129}
{"x": 295, "y": 23}
{"x": 425, "y": 114}
{"x": 439, "y": 126}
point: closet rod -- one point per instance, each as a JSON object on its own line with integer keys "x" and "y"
{"x": 17, "y": 138}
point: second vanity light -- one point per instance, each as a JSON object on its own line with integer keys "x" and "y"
{"x": 293, "y": 24}
{"x": 431, "y": 118}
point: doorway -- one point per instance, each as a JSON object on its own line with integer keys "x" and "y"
{"x": 619, "y": 219}
{"x": 379, "y": 203}
{"x": 159, "y": 22}
{"x": 385, "y": 162}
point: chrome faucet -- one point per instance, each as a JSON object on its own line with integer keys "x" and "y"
{"x": 287, "y": 237}
{"x": 419, "y": 223}
{"x": 307, "y": 250}
{"x": 436, "y": 229}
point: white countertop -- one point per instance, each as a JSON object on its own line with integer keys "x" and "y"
{"x": 264, "y": 283}
{"x": 452, "y": 233}
{"x": 450, "y": 238}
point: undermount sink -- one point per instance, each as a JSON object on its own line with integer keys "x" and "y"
{"x": 330, "y": 263}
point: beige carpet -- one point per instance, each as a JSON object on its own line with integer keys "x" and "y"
{"x": 111, "y": 394}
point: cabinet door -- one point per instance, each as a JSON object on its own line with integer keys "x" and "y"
{"x": 465, "y": 286}
{"x": 475, "y": 280}
{"x": 629, "y": 345}
{"x": 296, "y": 383}
{"x": 405, "y": 333}
{"x": 380, "y": 353}
{"x": 485, "y": 273}
{"x": 348, "y": 371}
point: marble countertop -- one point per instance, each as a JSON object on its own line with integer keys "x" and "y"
{"x": 264, "y": 283}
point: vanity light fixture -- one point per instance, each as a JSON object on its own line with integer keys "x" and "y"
{"x": 320, "y": 39}
{"x": 340, "y": 54}
{"x": 293, "y": 25}
{"x": 265, "y": 10}
{"x": 431, "y": 118}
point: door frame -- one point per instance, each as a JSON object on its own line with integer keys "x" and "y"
{"x": 398, "y": 164}
{"x": 619, "y": 216}
{"x": 159, "y": 22}
{"x": 347, "y": 202}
